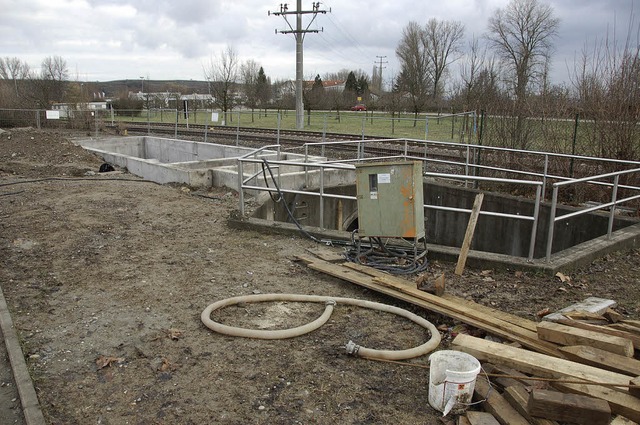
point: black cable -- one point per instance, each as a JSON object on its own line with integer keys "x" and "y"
{"x": 77, "y": 179}
{"x": 11, "y": 193}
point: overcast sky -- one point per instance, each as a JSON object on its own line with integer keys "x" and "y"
{"x": 105, "y": 40}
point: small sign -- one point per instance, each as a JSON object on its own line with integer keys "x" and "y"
{"x": 53, "y": 115}
{"x": 373, "y": 195}
{"x": 214, "y": 117}
{"x": 384, "y": 178}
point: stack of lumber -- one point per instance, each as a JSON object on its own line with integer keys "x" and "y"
{"x": 574, "y": 367}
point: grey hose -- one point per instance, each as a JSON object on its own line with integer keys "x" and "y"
{"x": 351, "y": 347}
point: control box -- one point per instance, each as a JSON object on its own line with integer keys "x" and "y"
{"x": 390, "y": 199}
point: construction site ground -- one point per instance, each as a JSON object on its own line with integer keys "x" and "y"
{"x": 106, "y": 275}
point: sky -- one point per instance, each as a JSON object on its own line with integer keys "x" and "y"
{"x": 104, "y": 40}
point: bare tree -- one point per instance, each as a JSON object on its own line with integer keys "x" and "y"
{"x": 249, "y": 71}
{"x": 442, "y": 46}
{"x": 522, "y": 35}
{"x": 607, "y": 86}
{"x": 15, "y": 70}
{"x": 222, "y": 76}
{"x": 478, "y": 78}
{"x": 414, "y": 78}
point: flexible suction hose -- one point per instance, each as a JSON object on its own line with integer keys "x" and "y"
{"x": 329, "y": 302}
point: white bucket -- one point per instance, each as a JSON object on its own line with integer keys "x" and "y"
{"x": 451, "y": 380}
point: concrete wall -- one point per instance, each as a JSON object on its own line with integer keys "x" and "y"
{"x": 493, "y": 234}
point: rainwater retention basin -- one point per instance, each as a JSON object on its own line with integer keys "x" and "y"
{"x": 497, "y": 242}
{"x": 164, "y": 160}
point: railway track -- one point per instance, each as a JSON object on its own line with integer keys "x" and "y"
{"x": 292, "y": 139}
{"x": 442, "y": 158}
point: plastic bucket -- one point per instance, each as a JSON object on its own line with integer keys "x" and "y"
{"x": 451, "y": 380}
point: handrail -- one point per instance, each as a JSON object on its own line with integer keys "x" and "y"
{"x": 539, "y": 179}
{"x": 611, "y": 205}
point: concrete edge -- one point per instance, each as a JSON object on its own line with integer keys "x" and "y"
{"x": 28, "y": 398}
{"x": 569, "y": 259}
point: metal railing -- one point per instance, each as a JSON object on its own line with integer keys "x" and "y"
{"x": 554, "y": 218}
{"x": 406, "y": 151}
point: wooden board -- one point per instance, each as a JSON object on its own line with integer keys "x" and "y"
{"x": 621, "y": 403}
{"x": 635, "y": 391}
{"x": 494, "y": 312}
{"x": 608, "y": 330}
{"x": 481, "y": 418}
{"x": 518, "y": 397}
{"x": 496, "y": 404}
{"x": 468, "y": 236}
{"x": 625, "y": 327}
{"x": 574, "y": 408}
{"x": 536, "y": 364}
{"x": 326, "y": 254}
{"x": 463, "y": 312}
{"x": 621, "y": 420}
{"x": 603, "y": 359}
{"x": 591, "y": 304}
{"x": 569, "y": 335}
{"x": 462, "y": 420}
{"x": 619, "y": 399}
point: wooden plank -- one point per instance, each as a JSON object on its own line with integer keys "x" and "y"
{"x": 621, "y": 403}
{"x": 518, "y": 397}
{"x": 633, "y": 330}
{"x": 574, "y": 408}
{"x": 630, "y": 322}
{"x": 591, "y": 304}
{"x": 454, "y": 300}
{"x": 468, "y": 236}
{"x": 535, "y": 363}
{"x": 496, "y": 404}
{"x": 635, "y": 391}
{"x": 603, "y": 359}
{"x": 621, "y": 420}
{"x": 327, "y": 254}
{"x": 494, "y": 312}
{"x": 569, "y": 335}
{"x": 481, "y": 418}
{"x": 462, "y": 420}
{"x": 608, "y": 330}
{"x": 402, "y": 289}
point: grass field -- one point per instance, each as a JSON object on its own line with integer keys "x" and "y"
{"x": 458, "y": 128}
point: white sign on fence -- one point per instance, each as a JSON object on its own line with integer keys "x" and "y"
{"x": 214, "y": 117}
{"x": 53, "y": 115}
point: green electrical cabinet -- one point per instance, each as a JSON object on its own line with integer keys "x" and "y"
{"x": 390, "y": 200}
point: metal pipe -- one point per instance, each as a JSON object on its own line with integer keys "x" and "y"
{"x": 321, "y": 198}
{"x": 240, "y": 191}
{"x": 612, "y": 210}
{"x": 544, "y": 177}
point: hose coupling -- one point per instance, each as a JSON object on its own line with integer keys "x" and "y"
{"x": 352, "y": 348}
{"x": 330, "y": 302}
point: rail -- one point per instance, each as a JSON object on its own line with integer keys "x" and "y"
{"x": 554, "y": 218}
{"x": 323, "y": 166}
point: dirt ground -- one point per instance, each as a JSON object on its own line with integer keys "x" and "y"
{"x": 106, "y": 276}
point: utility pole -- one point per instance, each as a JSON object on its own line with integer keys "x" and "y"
{"x": 298, "y": 33}
{"x": 379, "y": 62}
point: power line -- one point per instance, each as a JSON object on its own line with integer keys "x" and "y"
{"x": 380, "y": 62}
{"x": 299, "y": 34}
